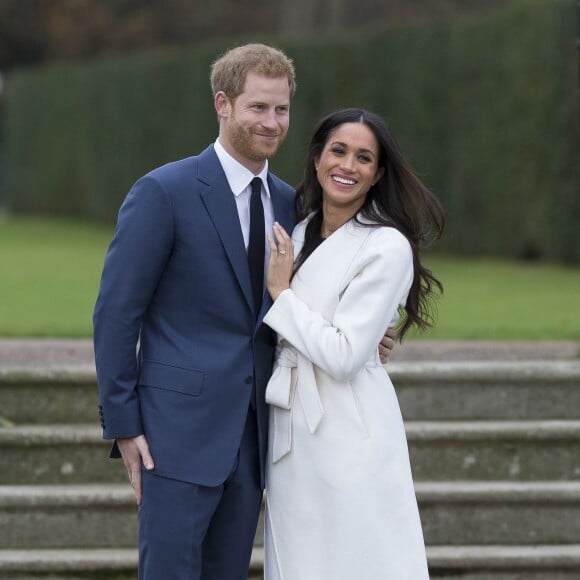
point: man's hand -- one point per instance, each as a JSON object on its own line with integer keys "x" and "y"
{"x": 387, "y": 344}
{"x": 135, "y": 450}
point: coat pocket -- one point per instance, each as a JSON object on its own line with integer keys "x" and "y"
{"x": 359, "y": 412}
{"x": 171, "y": 378}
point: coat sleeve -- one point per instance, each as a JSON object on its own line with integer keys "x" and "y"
{"x": 378, "y": 283}
{"x": 133, "y": 265}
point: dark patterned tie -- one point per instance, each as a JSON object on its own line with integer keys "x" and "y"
{"x": 257, "y": 243}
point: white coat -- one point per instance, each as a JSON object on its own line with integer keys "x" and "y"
{"x": 340, "y": 503}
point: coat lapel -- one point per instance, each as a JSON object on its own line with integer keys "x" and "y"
{"x": 221, "y": 207}
{"x": 340, "y": 247}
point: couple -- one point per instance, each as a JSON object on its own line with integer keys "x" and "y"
{"x": 189, "y": 414}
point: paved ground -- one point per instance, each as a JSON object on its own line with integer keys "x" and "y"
{"x": 36, "y": 352}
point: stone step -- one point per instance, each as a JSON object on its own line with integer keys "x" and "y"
{"x": 68, "y": 516}
{"x": 63, "y": 453}
{"x": 540, "y": 562}
{"x": 487, "y": 389}
{"x": 51, "y": 394}
{"x": 85, "y": 564}
{"x": 440, "y": 450}
{"x": 505, "y": 513}
{"x": 113, "y": 564}
{"x": 456, "y": 513}
{"x": 556, "y": 562}
{"x": 494, "y": 450}
{"x": 427, "y": 391}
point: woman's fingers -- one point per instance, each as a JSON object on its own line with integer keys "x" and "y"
{"x": 281, "y": 261}
{"x": 272, "y": 244}
{"x": 284, "y": 247}
{"x": 280, "y": 232}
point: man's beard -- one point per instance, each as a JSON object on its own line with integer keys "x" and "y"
{"x": 246, "y": 144}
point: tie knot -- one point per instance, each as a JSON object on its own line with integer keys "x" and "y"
{"x": 256, "y": 185}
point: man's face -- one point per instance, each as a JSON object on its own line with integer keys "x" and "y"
{"x": 253, "y": 127}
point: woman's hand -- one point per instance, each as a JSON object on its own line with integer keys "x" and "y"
{"x": 281, "y": 262}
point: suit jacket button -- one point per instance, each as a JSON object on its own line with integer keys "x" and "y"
{"x": 249, "y": 380}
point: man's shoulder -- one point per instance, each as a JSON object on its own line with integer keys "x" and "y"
{"x": 178, "y": 166}
{"x": 184, "y": 171}
{"x": 281, "y": 185}
{"x": 173, "y": 167}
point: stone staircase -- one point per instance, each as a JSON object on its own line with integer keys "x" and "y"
{"x": 495, "y": 448}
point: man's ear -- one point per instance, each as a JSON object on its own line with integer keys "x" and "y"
{"x": 222, "y": 105}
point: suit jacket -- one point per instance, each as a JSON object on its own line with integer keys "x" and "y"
{"x": 176, "y": 281}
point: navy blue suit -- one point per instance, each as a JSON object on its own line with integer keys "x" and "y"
{"x": 176, "y": 280}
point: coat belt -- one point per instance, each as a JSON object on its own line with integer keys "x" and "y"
{"x": 280, "y": 393}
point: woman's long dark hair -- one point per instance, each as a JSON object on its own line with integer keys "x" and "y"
{"x": 399, "y": 200}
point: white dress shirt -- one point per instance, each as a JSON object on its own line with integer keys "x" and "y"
{"x": 239, "y": 179}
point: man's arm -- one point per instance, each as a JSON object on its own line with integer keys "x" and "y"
{"x": 134, "y": 262}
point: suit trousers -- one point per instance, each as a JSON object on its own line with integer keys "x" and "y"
{"x": 194, "y": 532}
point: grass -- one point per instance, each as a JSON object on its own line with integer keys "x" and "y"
{"x": 50, "y": 271}
{"x": 50, "y": 275}
{"x": 492, "y": 299}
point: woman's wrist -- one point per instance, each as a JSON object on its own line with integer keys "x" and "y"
{"x": 275, "y": 292}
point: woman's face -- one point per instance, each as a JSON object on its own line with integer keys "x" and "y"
{"x": 348, "y": 167}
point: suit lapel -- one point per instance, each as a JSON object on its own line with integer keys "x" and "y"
{"x": 221, "y": 206}
{"x": 283, "y": 211}
{"x": 284, "y": 214}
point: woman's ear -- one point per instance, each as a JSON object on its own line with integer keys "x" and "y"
{"x": 380, "y": 172}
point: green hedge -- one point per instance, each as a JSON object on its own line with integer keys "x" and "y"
{"x": 486, "y": 108}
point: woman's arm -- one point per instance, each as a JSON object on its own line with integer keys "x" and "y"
{"x": 378, "y": 286}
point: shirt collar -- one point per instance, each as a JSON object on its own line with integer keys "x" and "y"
{"x": 238, "y": 176}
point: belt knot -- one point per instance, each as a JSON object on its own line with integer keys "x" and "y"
{"x": 280, "y": 394}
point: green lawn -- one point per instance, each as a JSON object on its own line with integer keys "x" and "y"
{"x": 491, "y": 299}
{"x": 50, "y": 273}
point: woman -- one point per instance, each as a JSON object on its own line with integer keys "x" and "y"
{"x": 340, "y": 498}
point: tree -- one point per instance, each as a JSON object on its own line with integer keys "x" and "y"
{"x": 35, "y": 31}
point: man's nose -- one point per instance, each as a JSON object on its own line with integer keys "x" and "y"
{"x": 269, "y": 119}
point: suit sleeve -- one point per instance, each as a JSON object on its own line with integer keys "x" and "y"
{"x": 133, "y": 265}
{"x": 378, "y": 283}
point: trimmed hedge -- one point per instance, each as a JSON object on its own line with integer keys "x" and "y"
{"x": 486, "y": 108}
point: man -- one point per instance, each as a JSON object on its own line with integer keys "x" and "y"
{"x": 190, "y": 407}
